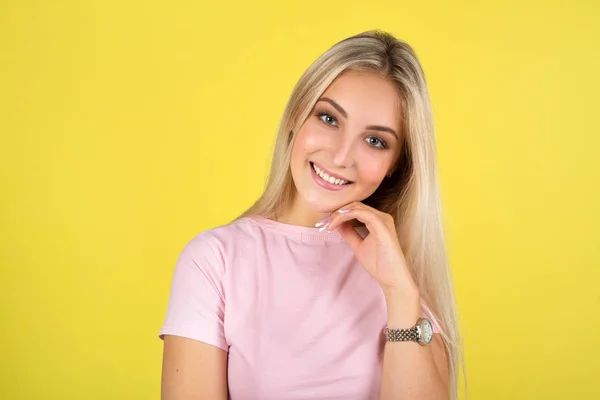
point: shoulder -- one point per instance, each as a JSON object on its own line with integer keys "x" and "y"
{"x": 243, "y": 229}
{"x": 206, "y": 257}
{"x": 224, "y": 239}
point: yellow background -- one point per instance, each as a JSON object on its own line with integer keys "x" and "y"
{"x": 129, "y": 126}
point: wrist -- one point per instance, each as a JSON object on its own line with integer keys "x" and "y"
{"x": 403, "y": 309}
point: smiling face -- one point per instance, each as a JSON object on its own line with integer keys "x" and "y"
{"x": 348, "y": 144}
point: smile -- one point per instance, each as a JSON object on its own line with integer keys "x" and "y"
{"x": 328, "y": 181}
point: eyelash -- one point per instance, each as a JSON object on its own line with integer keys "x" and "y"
{"x": 320, "y": 115}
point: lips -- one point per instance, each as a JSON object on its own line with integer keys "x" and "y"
{"x": 328, "y": 176}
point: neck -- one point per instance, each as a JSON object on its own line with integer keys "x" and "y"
{"x": 299, "y": 214}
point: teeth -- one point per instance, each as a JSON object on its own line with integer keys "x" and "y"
{"x": 330, "y": 179}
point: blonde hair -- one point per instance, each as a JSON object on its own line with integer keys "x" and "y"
{"x": 411, "y": 194}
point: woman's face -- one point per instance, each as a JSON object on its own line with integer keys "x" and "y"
{"x": 351, "y": 135}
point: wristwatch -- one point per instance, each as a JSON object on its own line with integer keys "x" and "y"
{"x": 421, "y": 333}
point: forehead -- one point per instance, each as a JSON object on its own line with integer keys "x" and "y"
{"x": 366, "y": 97}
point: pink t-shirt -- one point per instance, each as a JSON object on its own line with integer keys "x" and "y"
{"x": 298, "y": 315}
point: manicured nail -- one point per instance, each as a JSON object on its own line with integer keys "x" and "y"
{"x": 341, "y": 210}
{"x": 321, "y": 229}
{"x": 321, "y": 222}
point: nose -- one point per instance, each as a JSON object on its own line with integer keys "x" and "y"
{"x": 342, "y": 154}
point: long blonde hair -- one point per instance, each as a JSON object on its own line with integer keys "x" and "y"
{"x": 411, "y": 194}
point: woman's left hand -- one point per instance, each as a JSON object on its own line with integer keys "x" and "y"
{"x": 379, "y": 252}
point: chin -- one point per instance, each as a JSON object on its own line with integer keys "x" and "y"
{"x": 322, "y": 203}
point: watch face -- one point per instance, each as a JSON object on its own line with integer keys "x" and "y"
{"x": 426, "y": 331}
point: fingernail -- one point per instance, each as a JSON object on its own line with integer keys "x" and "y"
{"x": 341, "y": 210}
{"x": 321, "y": 229}
{"x": 321, "y": 222}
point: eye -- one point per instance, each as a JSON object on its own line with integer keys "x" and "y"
{"x": 327, "y": 118}
{"x": 376, "y": 142}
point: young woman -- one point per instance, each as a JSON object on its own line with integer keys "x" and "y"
{"x": 335, "y": 283}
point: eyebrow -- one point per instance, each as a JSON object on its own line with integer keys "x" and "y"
{"x": 345, "y": 115}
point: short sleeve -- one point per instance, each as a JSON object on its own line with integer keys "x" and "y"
{"x": 427, "y": 313}
{"x": 196, "y": 303}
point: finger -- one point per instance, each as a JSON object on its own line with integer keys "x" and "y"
{"x": 325, "y": 223}
{"x": 337, "y": 218}
{"x": 358, "y": 204}
{"x": 350, "y": 235}
{"x": 371, "y": 220}
{"x": 386, "y": 218}
{"x": 348, "y": 207}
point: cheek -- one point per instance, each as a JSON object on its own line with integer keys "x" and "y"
{"x": 372, "y": 172}
{"x": 308, "y": 140}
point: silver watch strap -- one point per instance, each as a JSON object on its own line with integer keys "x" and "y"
{"x": 401, "y": 335}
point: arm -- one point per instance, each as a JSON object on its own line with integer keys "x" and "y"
{"x": 193, "y": 370}
{"x": 195, "y": 347}
{"x": 412, "y": 371}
